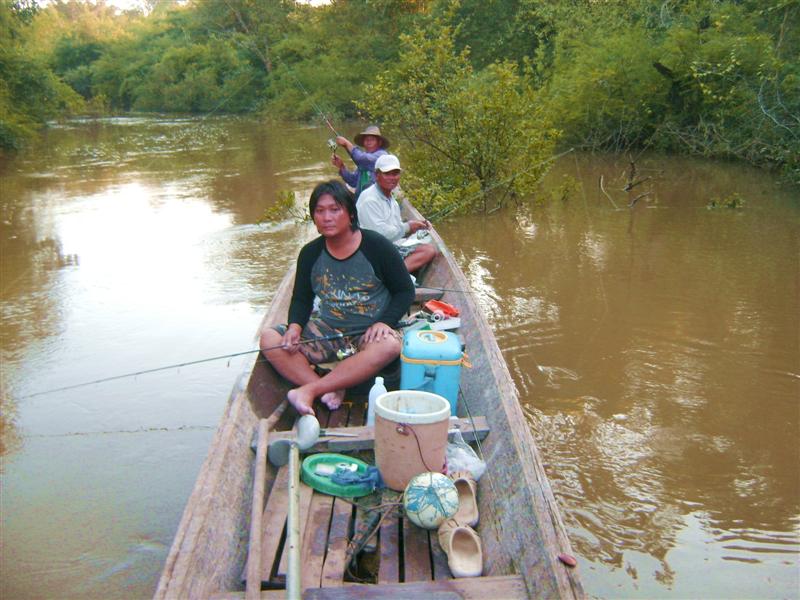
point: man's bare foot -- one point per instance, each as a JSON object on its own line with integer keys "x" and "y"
{"x": 333, "y": 400}
{"x": 301, "y": 400}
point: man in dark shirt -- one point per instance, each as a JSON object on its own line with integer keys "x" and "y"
{"x": 364, "y": 290}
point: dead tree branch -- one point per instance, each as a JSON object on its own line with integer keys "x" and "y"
{"x": 603, "y": 189}
{"x": 639, "y": 197}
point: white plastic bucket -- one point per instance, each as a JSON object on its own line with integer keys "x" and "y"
{"x": 410, "y": 435}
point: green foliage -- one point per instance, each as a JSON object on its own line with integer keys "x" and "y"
{"x": 472, "y": 140}
{"x": 513, "y": 30}
{"x": 322, "y": 63}
{"x": 604, "y": 90}
{"x": 173, "y": 65}
{"x": 735, "y": 200}
{"x": 286, "y": 207}
{"x": 708, "y": 78}
{"x": 30, "y": 93}
{"x": 718, "y": 78}
{"x": 72, "y": 59}
{"x": 563, "y": 191}
{"x": 24, "y": 10}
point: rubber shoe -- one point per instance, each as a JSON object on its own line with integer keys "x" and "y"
{"x": 467, "y": 498}
{"x": 463, "y": 548}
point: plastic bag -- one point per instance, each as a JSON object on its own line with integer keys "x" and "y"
{"x": 461, "y": 457}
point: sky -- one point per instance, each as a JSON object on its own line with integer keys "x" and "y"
{"x": 128, "y": 4}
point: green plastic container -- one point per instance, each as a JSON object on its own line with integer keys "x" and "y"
{"x": 317, "y": 469}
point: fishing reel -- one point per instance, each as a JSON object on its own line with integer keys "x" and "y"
{"x": 343, "y": 353}
{"x": 332, "y": 144}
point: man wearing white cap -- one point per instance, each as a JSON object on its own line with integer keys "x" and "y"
{"x": 379, "y": 210}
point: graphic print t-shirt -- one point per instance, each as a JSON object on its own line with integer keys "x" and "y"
{"x": 371, "y": 284}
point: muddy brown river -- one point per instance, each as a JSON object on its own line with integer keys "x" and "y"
{"x": 655, "y": 347}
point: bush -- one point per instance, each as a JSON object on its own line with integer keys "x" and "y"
{"x": 470, "y": 140}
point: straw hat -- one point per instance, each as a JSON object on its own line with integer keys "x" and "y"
{"x": 372, "y": 130}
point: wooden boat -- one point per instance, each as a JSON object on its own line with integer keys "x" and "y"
{"x": 520, "y": 528}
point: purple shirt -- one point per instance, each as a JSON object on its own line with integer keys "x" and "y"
{"x": 364, "y": 175}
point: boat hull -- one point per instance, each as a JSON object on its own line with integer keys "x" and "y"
{"x": 520, "y": 529}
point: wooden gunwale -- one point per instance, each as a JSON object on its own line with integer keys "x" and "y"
{"x": 521, "y": 528}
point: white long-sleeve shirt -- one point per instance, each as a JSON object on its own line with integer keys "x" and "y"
{"x": 381, "y": 213}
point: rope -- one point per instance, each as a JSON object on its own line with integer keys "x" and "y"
{"x": 419, "y": 446}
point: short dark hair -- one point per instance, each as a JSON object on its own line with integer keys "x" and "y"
{"x": 341, "y": 195}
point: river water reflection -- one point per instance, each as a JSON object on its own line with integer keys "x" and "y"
{"x": 656, "y": 350}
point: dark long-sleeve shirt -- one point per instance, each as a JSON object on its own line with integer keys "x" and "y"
{"x": 370, "y": 285}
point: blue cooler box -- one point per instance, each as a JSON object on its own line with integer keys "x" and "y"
{"x": 431, "y": 362}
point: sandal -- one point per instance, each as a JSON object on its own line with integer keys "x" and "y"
{"x": 463, "y": 548}
{"x": 467, "y": 498}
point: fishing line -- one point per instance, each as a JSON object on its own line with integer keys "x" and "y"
{"x": 314, "y": 105}
{"x": 333, "y": 336}
{"x": 116, "y": 431}
{"x": 449, "y": 209}
{"x": 277, "y": 58}
{"x": 495, "y": 521}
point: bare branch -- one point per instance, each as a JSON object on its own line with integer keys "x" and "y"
{"x": 603, "y": 189}
{"x": 630, "y": 185}
{"x": 768, "y": 113}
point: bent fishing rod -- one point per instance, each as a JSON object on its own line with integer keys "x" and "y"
{"x": 464, "y": 201}
{"x": 333, "y": 336}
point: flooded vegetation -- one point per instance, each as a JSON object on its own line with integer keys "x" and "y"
{"x": 654, "y": 346}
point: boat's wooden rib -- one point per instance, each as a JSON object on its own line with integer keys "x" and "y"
{"x": 520, "y": 529}
{"x": 364, "y": 438}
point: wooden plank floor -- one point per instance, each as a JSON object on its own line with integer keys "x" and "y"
{"x": 404, "y": 554}
{"x": 507, "y": 587}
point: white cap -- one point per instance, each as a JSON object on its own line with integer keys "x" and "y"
{"x": 387, "y": 162}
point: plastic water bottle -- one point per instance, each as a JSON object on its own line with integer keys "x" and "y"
{"x": 376, "y": 390}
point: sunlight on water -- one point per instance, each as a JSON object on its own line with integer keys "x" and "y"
{"x": 655, "y": 351}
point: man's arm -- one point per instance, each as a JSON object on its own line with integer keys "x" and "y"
{"x": 302, "y": 293}
{"x": 350, "y": 177}
{"x": 366, "y": 160}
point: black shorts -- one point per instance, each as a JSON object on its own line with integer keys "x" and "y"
{"x": 324, "y": 350}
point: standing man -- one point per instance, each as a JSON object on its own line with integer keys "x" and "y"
{"x": 364, "y": 290}
{"x": 369, "y": 146}
{"x": 379, "y": 210}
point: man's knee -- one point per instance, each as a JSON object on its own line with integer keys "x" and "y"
{"x": 389, "y": 348}
{"x": 425, "y": 254}
{"x": 269, "y": 340}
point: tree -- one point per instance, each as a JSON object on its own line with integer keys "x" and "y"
{"x": 176, "y": 62}
{"x": 706, "y": 77}
{"x": 471, "y": 140}
{"x": 322, "y": 64}
{"x": 29, "y": 91}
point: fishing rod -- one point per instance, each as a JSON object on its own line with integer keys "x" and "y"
{"x": 333, "y": 336}
{"x": 449, "y": 209}
{"x": 331, "y": 142}
{"x": 328, "y": 123}
{"x": 422, "y": 286}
